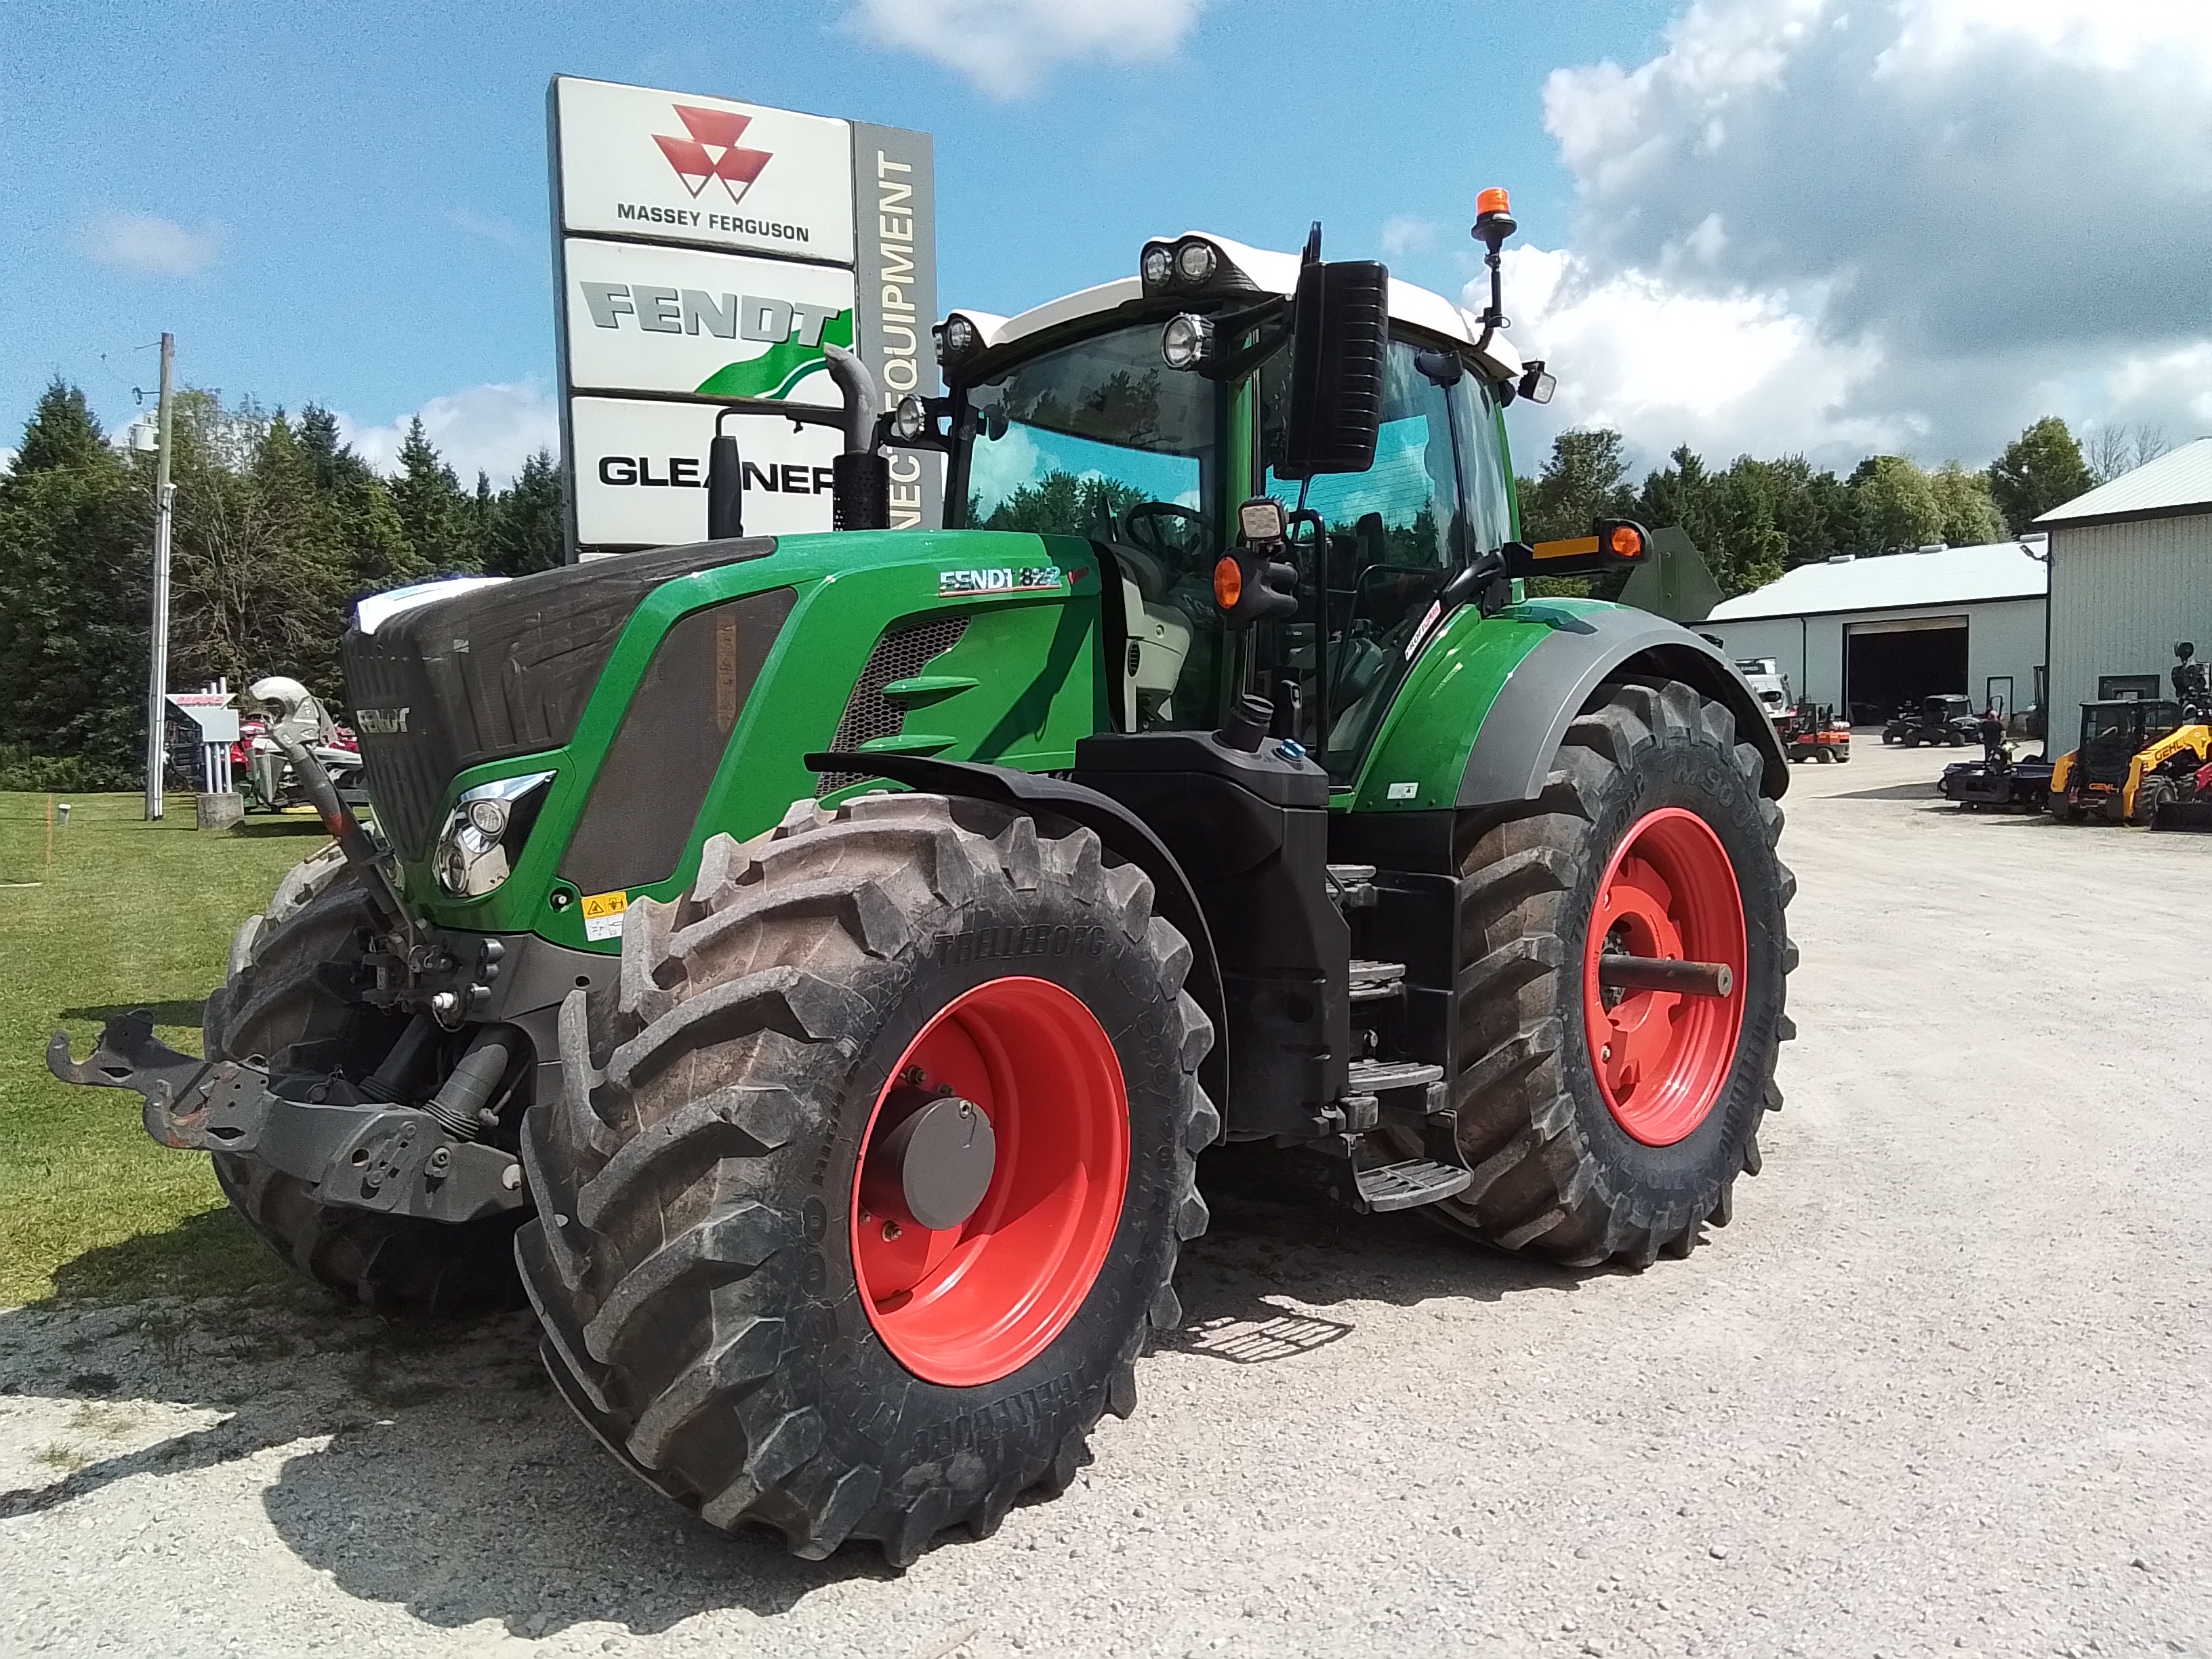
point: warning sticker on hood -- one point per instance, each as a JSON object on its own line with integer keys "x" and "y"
{"x": 603, "y": 914}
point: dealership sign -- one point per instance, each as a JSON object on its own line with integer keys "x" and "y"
{"x": 708, "y": 250}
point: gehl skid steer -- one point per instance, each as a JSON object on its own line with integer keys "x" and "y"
{"x": 818, "y": 964}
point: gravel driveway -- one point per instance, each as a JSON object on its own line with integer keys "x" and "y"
{"x": 1944, "y": 1387}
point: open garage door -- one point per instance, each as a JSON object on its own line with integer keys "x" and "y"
{"x": 1887, "y": 665}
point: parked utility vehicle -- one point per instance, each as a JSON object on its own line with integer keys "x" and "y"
{"x": 822, "y": 960}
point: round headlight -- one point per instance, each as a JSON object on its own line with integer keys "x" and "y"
{"x": 1158, "y": 265}
{"x": 1195, "y": 262}
{"x": 960, "y": 336}
{"x": 909, "y": 420}
{"x": 1185, "y": 341}
{"x": 488, "y": 816}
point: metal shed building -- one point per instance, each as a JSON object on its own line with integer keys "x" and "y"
{"x": 2131, "y": 573}
{"x": 1870, "y": 633}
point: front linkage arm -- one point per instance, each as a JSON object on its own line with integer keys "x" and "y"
{"x": 396, "y": 1159}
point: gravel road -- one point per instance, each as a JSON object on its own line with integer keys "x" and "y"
{"x": 1944, "y": 1387}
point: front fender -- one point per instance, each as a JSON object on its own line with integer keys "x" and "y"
{"x": 1481, "y": 717}
{"x": 1124, "y": 834}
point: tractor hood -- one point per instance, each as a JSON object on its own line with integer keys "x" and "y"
{"x": 487, "y": 670}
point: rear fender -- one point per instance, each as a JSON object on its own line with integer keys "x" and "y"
{"x": 1511, "y": 753}
{"x": 1125, "y": 834}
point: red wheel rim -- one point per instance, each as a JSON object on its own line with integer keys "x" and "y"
{"x": 1662, "y": 1058}
{"x": 970, "y": 1304}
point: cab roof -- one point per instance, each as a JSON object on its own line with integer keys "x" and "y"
{"x": 1262, "y": 271}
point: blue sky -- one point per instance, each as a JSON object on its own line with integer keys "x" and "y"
{"x": 1748, "y": 224}
{"x": 361, "y": 189}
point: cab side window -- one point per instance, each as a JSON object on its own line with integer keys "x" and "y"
{"x": 1396, "y": 533}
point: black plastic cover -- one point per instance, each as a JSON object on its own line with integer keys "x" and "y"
{"x": 494, "y": 673}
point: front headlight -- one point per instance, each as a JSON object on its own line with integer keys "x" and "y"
{"x": 484, "y": 833}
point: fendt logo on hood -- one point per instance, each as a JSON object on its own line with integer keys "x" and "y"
{"x": 713, "y": 152}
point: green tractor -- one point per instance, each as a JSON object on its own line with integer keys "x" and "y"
{"x": 808, "y": 969}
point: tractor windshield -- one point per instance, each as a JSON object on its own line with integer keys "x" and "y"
{"x": 1101, "y": 438}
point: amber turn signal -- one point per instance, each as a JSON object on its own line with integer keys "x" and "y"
{"x": 1228, "y": 583}
{"x": 1627, "y": 542}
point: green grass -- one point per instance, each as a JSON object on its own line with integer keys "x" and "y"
{"x": 128, "y": 915}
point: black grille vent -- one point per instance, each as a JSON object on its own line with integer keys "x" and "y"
{"x": 900, "y": 655}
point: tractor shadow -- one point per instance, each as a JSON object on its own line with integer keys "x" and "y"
{"x": 432, "y": 1467}
{"x": 427, "y": 1467}
{"x": 1275, "y": 1238}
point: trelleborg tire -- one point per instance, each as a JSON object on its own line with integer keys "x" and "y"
{"x": 717, "y": 1296}
{"x": 293, "y": 999}
{"x": 1652, "y": 801}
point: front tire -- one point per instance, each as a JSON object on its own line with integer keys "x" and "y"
{"x": 1651, "y": 818}
{"x": 292, "y": 998}
{"x": 723, "y": 1306}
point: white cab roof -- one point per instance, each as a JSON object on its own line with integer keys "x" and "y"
{"x": 1270, "y": 272}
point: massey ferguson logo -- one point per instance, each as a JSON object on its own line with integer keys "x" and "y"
{"x": 713, "y": 152}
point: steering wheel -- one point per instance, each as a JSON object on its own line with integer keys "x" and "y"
{"x": 1139, "y": 526}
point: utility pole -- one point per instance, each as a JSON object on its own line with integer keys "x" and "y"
{"x": 157, "y": 689}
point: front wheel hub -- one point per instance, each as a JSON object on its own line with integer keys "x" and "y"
{"x": 932, "y": 1166}
{"x": 991, "y": 1179}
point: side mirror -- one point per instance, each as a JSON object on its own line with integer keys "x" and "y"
{"x": 1613, "y": 545}
{"x": 726, "y": 487}
{"x": 1341, "y": 325}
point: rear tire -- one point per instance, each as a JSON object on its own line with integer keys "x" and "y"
{"x": 1557, "y": 1173}
{"x": 702, "y": 1260}
{"x": 292, "y": 998}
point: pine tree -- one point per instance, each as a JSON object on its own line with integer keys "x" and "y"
{"x": 529, "y": 528}
{"x": 76, "y": 579}
{"x": 61, "y": 432}
{"x": 433, "y": 512}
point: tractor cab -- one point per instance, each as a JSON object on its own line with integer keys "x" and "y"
{"x": 1142, "y": 414}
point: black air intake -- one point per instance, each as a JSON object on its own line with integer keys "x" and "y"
{"x": 901, "y": 653}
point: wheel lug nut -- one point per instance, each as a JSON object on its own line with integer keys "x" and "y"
{"x": 1604, "y": 1053}
{"x": 891, "y": 1231}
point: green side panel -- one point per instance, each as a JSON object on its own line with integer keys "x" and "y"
{"x": 1026, "y": 681}
{"x": 1419, "y": 758}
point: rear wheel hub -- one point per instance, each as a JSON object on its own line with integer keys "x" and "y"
{"x": 1662, "y": 1058}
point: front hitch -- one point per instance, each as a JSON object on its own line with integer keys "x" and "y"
{"x": 395, "y": 1159}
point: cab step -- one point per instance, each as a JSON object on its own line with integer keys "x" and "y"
{"x": 1407, "y": 1186}
{"x": 1380, "y": 1077}
{"x": 1352, "y": 886}
{"x": 1374, "y": 981}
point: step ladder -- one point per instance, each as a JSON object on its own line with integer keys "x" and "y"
{"x": 1367, "y": 1186}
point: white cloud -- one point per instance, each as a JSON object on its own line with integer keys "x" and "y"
{"x": 1723, "y": 372}
{"x": 1008, "y": 47}
{"x": 1405, "y": 234}
{"x": 7, "y": 460}
{"x": 148, "y": 243}
{"x": 489, "y": 428}
{"x": 1930, "y": 221}
{"x": 486, "y": 227}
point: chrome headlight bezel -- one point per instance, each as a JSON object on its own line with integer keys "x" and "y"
{"x": 476, "y": 850}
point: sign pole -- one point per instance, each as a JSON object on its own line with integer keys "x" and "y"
{"x": 158, "y": 683}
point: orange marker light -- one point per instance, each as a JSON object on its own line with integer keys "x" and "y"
{"x": 1494, "y": 200}
{"x": 1228, "y": 584}
{"x": 1627, "y": 543}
